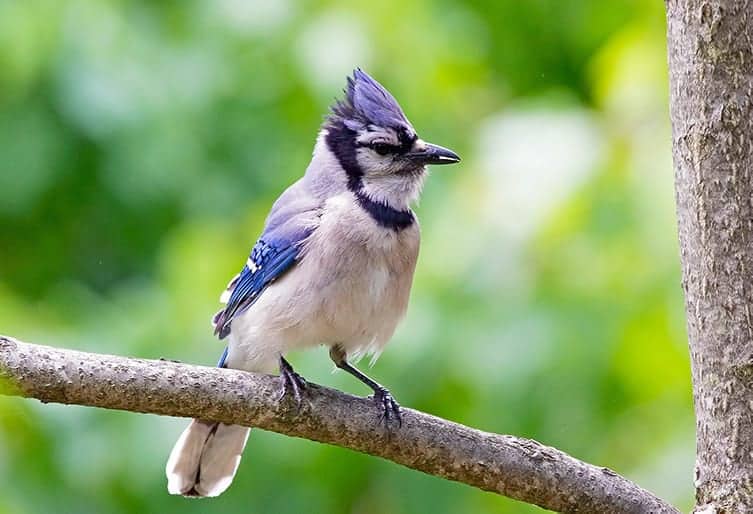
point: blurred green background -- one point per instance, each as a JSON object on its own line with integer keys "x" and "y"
{"x": 142, "y": 144}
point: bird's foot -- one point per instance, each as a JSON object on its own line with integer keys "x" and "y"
{"x": 292, "y": 383}
{"x": 390, "y": 409}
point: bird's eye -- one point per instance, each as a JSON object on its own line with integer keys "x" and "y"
{"x": 381, "y": 148}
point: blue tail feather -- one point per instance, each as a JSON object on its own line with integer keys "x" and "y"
{"x": 221, "y": 363}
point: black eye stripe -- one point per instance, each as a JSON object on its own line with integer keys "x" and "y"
{"x": 382, "y": 148}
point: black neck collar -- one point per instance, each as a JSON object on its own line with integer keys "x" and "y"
{"x": 341, "y": 142}
{"x": 383, "y": 214}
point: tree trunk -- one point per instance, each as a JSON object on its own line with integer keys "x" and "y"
{"x": 711, "y": 81}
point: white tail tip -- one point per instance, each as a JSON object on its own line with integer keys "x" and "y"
{"x": 205, "y": 459}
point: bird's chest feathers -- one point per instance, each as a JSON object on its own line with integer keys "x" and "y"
{"x": 365, "y": 270}
{"x": 365, "y": 244}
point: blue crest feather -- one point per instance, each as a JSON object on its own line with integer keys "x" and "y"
{"x": 367, "y": 102}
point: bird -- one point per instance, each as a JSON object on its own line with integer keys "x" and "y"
{"x": 333, "y": 266}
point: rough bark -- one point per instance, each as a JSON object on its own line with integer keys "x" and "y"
{"x": 519, "y": 468}
{"x": 711, "y": 82}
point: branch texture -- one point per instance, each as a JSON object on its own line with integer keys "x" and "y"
{"x": 710, "y": 45}
{"x": 519, "y": 468}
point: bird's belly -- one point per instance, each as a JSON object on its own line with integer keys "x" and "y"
{"x": 363, "y": 280}
{"x": 361, "y": 312}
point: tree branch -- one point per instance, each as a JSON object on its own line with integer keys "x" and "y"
{"x": 519, "y": 468}
{"x": 710, "y": 48}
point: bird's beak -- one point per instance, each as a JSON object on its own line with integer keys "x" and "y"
{"x": 427, "y": 153}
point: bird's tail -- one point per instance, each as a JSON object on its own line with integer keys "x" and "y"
{"x": 205, "y": 458}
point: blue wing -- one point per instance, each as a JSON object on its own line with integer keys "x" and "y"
{"x": 267, "y": 263}
{"x": 291, "y": 221}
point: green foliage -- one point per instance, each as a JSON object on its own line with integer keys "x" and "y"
{"x": 142, "y": 144}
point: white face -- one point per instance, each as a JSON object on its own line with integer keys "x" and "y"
{"x": 381, "y": 152}
{"x": 389, "y": 176}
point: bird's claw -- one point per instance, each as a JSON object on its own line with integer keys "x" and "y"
{"x": 390, "y": 409}
{"x": 292, "y": 384}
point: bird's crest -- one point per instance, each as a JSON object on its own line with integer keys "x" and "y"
{"x": 367, "y": 102}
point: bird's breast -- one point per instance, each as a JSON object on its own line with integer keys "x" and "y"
{"x": 361, "y": 274}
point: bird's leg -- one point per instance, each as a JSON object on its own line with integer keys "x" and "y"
{"x": 390, "y": 408}
{"x": 292, "y": 382}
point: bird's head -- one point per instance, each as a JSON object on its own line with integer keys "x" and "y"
{"x": 375, "y": 143}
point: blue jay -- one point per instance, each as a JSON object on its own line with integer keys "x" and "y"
{"x": 333, "y": 266}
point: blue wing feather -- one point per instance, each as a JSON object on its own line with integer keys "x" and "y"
{"x": 292, "y": 219}
{"x": 270, "y": 262}
{"x": 223, "y": 358}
